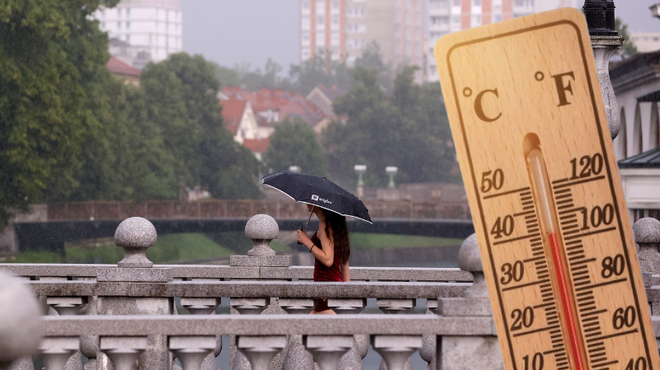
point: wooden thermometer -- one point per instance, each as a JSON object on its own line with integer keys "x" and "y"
{"x": 533, "y": 142}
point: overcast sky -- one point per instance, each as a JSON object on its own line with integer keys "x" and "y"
{"x": 234, "y": 31}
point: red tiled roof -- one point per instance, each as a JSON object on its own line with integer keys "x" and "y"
{"x": 232, "y": 112}
{"x": 285, "y": 104}
{"x": 118, "y": 67}
{"x": 257, "y": 145}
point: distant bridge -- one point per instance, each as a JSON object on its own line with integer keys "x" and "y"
{"x": 57, "y": 223}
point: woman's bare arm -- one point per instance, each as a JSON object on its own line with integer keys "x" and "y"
{"x": 345, "y": 272}
{"x": 325, "y": 252}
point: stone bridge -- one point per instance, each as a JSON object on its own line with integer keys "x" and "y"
{"x": 50, "y": 225}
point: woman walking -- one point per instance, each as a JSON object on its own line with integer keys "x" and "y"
{"x": 331, "y": 248}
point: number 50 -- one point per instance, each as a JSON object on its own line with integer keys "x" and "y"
{"x": 492, "y": 180}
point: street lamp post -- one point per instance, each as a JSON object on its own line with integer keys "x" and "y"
{"x": 655, "y": 10}
{"x": 605, "y": 41}
{"x": 360, "y": 169}
{"x": 391, "y": 170}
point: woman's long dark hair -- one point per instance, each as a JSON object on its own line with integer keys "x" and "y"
{"x": 335, "y": 226}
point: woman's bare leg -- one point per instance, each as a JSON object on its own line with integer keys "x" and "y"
{"x": 326, "y": 312}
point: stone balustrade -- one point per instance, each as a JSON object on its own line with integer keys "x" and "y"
{"x": 130, "y": 318}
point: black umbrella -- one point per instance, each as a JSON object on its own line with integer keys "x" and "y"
{"x": 319, "y": 192}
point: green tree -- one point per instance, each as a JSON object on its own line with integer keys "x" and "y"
{"x": 296, "y": 144}
{"x": 125, "y": 159}
{"x": 51, "y": 53}
{"x": 181, "y": 95}
{"x": 320, "y": 70}
{"x": 628, "y": 48}
{"x": 398, "y": 130}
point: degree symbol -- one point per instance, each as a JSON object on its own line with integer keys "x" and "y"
{"x": 539, "y": 76}
{"x": 467, "y": 92}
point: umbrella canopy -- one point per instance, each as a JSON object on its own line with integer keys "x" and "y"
{"x": 319, "y": 192}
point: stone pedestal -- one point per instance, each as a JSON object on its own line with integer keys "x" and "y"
{"x": 135, "y": 235}
{"x": 469, "y": 352}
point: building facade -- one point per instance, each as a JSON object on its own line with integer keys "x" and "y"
{"x": 446, "y": 16}
{"x": 344, "y": 28}
{"x": 636, "y": 82}
{"x": 151, "y": 27}
{"x": 646, "y": 41}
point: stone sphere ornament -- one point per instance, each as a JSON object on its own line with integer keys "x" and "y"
{"x": 261, "y": 229}
{"x": 135, "y": 235}
{"x": 20, "y": 320}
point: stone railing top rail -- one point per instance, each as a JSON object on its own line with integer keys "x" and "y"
{"x": 285, "y": 209}
{"x": 266, "y": 325}
{"x": 249, "y": 289}
{"x": 72, "y": 271}
{"x": 272, "y": 324}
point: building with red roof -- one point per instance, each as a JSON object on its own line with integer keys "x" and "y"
{"x": 252, "y": 115}
{"x": 124, "y": 71}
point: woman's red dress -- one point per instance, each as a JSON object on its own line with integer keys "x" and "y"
{"x": 323, "y": 273}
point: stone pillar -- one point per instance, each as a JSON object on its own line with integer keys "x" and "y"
{"x": 647, "y": 236}
{"x": 20, "y": 324}
{"x": 469, "y": 352}
{"x": 135, "y": 235}
{"x": 262, "y": 229}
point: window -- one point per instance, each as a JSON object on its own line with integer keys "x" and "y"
{"x": 476, "y": 21}
{"x": 335, "y": 5}
{"x": 305, "y": 36}
{"x": 128, "y": 12}
{"x": 476, "y": 2}
{"x": 334, "y": 37}
{"x": 305, "y": 4}
{"x": 118, "y": 26}
{"x": 128, "y": 38}
{"x": 320, "y": 20}
{"x": 457, "y": 2}
{"x": 320, "y": 38}
{"x": 497, "y": 18}
{"x": 335, "y": 19}
{"x": 320, "y": 7}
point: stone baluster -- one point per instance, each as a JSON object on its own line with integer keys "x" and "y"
{"x": 327, "y": 350}
{"x": 55, "y": 351}
{"x": 396, "y": 349}
{"x": 261, "y": 229}
{"x": 647, "y": 236}
{"x": 471, "y": 352}
{"x": 125, "y": 351}
{"x": 66, "y": 305}
{"x": 260, "y": 350}
{"x": 347, "y": 306}
{"x": 20, "y": 324}
{"x": 192, "y": 351}
{"x": 294, "y": 306}
{"x": 197, "y": 352}
{"x": 395, "y": 306}
{"x": 89, "y": 344}
{"x": 135, "y": 235}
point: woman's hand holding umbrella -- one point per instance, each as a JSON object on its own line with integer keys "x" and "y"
{"x": 303, "y": 238}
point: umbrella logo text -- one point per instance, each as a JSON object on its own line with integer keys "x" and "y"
{"x": 322, "y": 200}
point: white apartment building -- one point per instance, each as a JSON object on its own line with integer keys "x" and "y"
{"x": 149, "y": 26}
{"x": 445, "y": 16}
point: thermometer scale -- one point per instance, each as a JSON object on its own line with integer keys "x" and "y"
{"x": 537, "y": 161}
